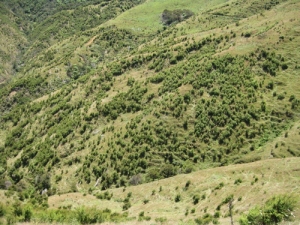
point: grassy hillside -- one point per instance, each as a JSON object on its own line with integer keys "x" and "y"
{"x": 11, "y": 43}
{"x": 250, "y": 184}
{"x": 46, "y": 23}
{"x": 146, "y": 18}
{"x": 98, "y": 105}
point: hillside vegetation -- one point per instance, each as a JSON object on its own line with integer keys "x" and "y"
{"x": 11, "y": 42}
{"x": 184, "y": 199}
{"x": 103, "y": 95}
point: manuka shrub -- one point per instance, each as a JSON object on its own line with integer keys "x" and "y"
{"x": 168, "y": 17}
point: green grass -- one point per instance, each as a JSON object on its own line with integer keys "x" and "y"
{"x": 146, "y": 18}
{"x": 11, "y": 40}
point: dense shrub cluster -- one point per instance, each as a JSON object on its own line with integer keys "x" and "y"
{"x": 172, "y": 16}
{"x": 226, "y": 118}
{"x": 16, "y": 212}
{"x": 277, "y": 209}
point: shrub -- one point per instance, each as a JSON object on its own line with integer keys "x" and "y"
{"x": 217, "y": 214}
{"x": 196, "y": 199}
{"x": 126, "y": 205}
{"x": 168, "y": 17}
{"x": 2, "y": 210}
{"x": 116, "y": 69}
{"x": 247, "y": 34}
{"x": 270, "y": 85}
{"x": 292, "y": 97}
{"x": 206, "y": 219}
{"x": 147, "y": 218}
{"x": 76, "y": 71}
{"x": 58, "y": 178}
{"x": 284, "y": 66}
{"x": 173, "y": 60}
{"x": 187, "y": 184}
{"x": 153, "y": 174}
{"x": 168, "y": 170}
{"x": 130, "y": 82}
{"x": 219, "y": 186}
{"x": 238, "y": 181}
{"x": 280, "y": 97}
{"x": 81, "y": 216}
{"x": 10, "y": 220}
{"x": 27, "y": 214}
{"x": 228, "y": 199}
{"x": 177, "y": 198}
{"x": 106, "y": 195}
{"x": 160, "y": 219}
{"x": 274, "y": 211}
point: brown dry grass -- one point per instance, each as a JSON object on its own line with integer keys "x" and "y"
{"x": 275, "y": 176}
{"x": 91, "y": 41}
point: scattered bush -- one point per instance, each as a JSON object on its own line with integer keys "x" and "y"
{"x": 143, "y": 217}
{"x": 274, "y": 211}
{"x": 168, "y": 170}
{"x": 196, "y": 199}
{"x": 284, "y": 66}
{"x": 126, "y": 206}
{"x": 227, "y": 199}
{"x": 217, "y": 214}
{"x": 106, "y": 195}
{"x": 280, "y": 97}
{"x": 160, "y": 219}
{"x": 177, "y": 198}
{"x": 238, "y": 181}
{"x": 247, "y": 34}
{"x": 187, "y": 184}
{"x": 219, "y": 186}
{"x": 2, "y": 210}
{"x": 205, "y": 219}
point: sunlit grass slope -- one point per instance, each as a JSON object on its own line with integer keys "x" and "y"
{"x": 250, "y": 184}
{"x": 146, "y": 18}
{"x": 11, "y": 41}
{"x": 112, "y": 104}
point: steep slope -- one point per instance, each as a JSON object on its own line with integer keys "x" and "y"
{"x": 109, "y": 107}
{"x": 45, "y": 23}
{"x": 12, "y": 41}
{"x": 146, "y": 18}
